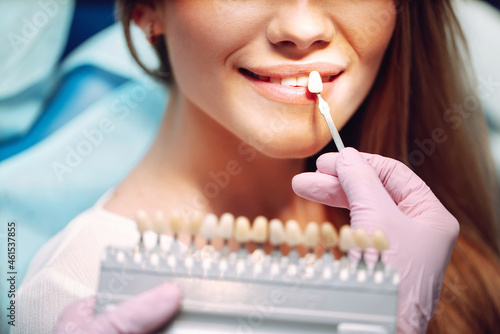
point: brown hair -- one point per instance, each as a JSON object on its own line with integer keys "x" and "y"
{"x": 422, "y": 112}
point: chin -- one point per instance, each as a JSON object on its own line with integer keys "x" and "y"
{"x": 293, "y": 148}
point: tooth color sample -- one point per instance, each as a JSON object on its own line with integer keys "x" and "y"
{"x": 346, "y": 239}
{"x": 194, "y": 223}
{"x": 259, "y": 230}
{"x": 380, "y": 241}
{"x": 242, "y": 233}
{"x": 209, "y": 226}
{"x": 176, "y": 221}
{"x": 159, "y": 223}
{"x": 276, "y": 232}
{"x": 315, "y": 84}
{"x": 142, "y": 220}
{"x": 226, "y": 226}
{"x": 362, "y": 238}
{"x": 293, "y": 233}
{"x": 311, "y": 235}
{"x": 329, "y": 235}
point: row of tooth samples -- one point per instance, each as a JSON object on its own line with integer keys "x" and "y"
{"x": 261, "y": 231}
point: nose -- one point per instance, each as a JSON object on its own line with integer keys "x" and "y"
{"x": 299, "y": 26}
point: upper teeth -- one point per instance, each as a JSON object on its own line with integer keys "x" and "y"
{"x": 301, "y": 81}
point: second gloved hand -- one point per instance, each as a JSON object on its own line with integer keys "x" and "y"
{"x": 382, "y": 193}
{"x": 143, "y": 313}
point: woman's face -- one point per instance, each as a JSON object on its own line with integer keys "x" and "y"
{"x": 245, "y": 63}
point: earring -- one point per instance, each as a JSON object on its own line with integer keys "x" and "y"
{"x": 150, "y": 36}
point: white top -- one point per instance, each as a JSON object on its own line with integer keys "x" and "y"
{"x": 66, "y": 268}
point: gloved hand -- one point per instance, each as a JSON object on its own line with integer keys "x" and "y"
{"x": 384, "y": 194}
{"x": 143, "y": 313}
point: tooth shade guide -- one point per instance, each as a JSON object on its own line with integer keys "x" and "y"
{"x": 226, "y": 226}
{"x": 276, "y": 232}
{"x": 300, "y": 243}
{"x": 260, "y": 229}
{"x": 176, "y": 222}
{"x": 346, "y": 239}
{"x": 142, "y": 220}
{"x": 311, "y": 235}
{"x": 362, "y": 239}
{"x": 315, "y": 84}
{"x": 380, "y": 241}
{"x": 159, "y": 222}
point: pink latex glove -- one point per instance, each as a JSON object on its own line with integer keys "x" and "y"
{"x": 143, "y": 313}
{"x": 384, "y": 194}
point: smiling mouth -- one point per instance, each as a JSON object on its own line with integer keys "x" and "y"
{"x": 298, "y": 81}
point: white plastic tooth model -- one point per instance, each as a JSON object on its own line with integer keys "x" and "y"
{"x": 208, "y": 230}
{"x": 311, "y": 236}
{"x": 193, "y": 225}
{"x": 276, "y": 235}
{"x": 363, "y": 241}
{"x": 226, "y": 226}
{"x": 259, "y": 229}
{"x": 329, "y": 236}
{"x": 294, "y": 237}
{"x": 159, "y": 225}
{"x": 242, "y": 233}
{"x": 143, "y": 224}
{"x": 346, "y": 242}
{"x": 176, "y": 223}
{"x": 208, "y": 227}
{"x": 259, "y": 235}
{"x": 225, "y": 230}
{"x": 380, "y": 243}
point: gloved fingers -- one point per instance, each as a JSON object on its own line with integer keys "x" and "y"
{"x": 143, "y": 313}
{"x": 321, "y": 188}
{"x": 370, "y": 204}
{"x": 406, "y": 189}
{"x": 76, "y": 316}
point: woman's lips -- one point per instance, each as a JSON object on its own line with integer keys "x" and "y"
{"x": 272, "y": 89}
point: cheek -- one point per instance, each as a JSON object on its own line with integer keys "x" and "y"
{"x": 371, "y": 33}
{"x": 365, "y": 38}
{"x": 200, "y": 36}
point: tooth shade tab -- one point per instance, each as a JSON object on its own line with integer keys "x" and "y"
{"x": 142, "y": 221}
{"x": 259, "y": 229}
{"x": 194, "y": 223}
{"x": 329, "y": 235}
{"x": 159, "y": 222}
{"x": 315, "y": 83}
{"x": 346, "y": 241}
{"x": 293, "y": 233}
{"x": 242, "y": 233}
{"x": 298, "y": 81}
{"x": 209, "y": 226}
{"x": 380, "y": 241}
{"x": 363, "y": 240}
{"x": 226, "y": 226}
{"x": 276, "y": 232}
{"x": 311, "y": 235}
{"x": 176, "y": 222}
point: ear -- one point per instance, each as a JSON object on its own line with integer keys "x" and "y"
{"x": 144, "y": 13}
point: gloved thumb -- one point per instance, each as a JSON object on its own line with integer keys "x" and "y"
{"x": 143, "y": 313}
{"x": 370, "y": 204}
